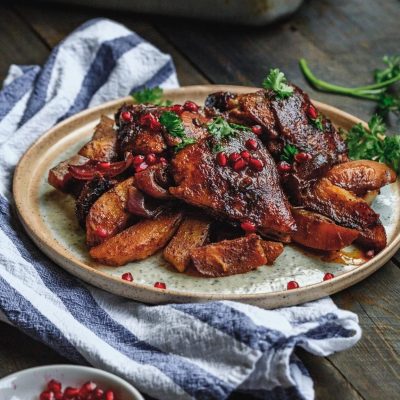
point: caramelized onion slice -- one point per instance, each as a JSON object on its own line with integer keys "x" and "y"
{"x": 154, "y": 181}
{"x": 137, "y": 204}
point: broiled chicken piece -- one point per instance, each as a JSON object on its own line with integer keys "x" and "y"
{"x": 361, "y": 176}
{"x": 237, "y": 191}
{"x": 295, "y": 121}
{"x": 138, "y": 241}
{"x": 235, "y": 256}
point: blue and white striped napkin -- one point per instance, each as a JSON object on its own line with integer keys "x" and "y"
{"x": 217, "y": 350}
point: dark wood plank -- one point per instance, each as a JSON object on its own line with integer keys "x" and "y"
{"x": 58, "y": 21}
{"x": 18, "y": 351}
{"x": 19, "y": 44}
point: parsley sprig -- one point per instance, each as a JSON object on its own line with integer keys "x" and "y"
{"x": 150, "y": 96}
{"x": 373, "y": 143}
{"x": 276, "y": 81}
{"x": 380, "y": 91}
{"x": 173, "y": 124}
{"x": 288, "y": 153}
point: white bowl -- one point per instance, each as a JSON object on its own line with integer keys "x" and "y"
{"x": 29, "y": 383}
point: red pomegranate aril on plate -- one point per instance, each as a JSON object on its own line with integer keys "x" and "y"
{"x": 109, "y": 395}
{"x": 251, "y": 144}
{"x": 191, "y": 106}
{"x": 370, "y": 253}
{"x": 256, "y": 164}
{"x": 177, "y": 108}
{"x": 328, "y": 276}
{"x": 257, "y": 129}
{"x": 239, "y": 165}
{"x": 104, "y": 165}
{"x": 248, "y": 226}
{"x": 160, "y": 285}
{"x": 141, "y": 167}
{"x": 302, "y": 157}
{"x": 151, "y": 158}
{"x": 46, "y": 395}
{"x": 222, "y": 159}
{"x": 233, "y": 157}
{"x": 71, "y": 392}
{"x": 292, "y": 285}
{"x": 98, "y": 394}
{"x": 163, "y": 160}
{"x": 101, "y": 232}
{"x": 126, "y": 116}
{"x": 150, "y": 120}
{"x": 54, "y": 386}
{"x": 58, "y": 396}
{"x": 245, "y": 155}
{"x": 127, "y": 276}
{"x": 312, "y": 112}
{"x": 283, "y": 166}
{"x": 137, "y": 160}
{"x": 87, "y": 388}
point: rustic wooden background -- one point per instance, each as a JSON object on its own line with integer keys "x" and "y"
{"x": 343, "y": 40}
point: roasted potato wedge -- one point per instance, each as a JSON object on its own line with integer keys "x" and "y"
{"x": 361, "y": 176}
{"x": 272, "y": 250}
{"x": 373, "y": 238}
{"x": 229, "y": 257}
{"x": 138, "y": 241}
{"x": 319, "y": 232}
{"x": 108, "y": 215}
{"x": 105, "y": 128}
{"x": 193, "y": 232}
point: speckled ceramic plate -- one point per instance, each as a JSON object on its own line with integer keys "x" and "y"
{"x": 48, "y": 216}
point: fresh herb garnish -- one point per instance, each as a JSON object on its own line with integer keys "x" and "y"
{"x": 288, "y": 153}
{"x": 217, "y": 148}
{"x": 277, "y": 82}
{"x": 373, "y": 144}
{"x": 150, "y": 96}
{"x": 317, "y": 122}
{"x": 173, "y": 124}
{"x": 220, "y": 128}
{"x": 380, "y": 91}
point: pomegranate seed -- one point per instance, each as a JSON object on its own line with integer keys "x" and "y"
{"x": 160, "y": 285}
{"x": 256, "y": 164}
{"x": 257, "y": 129}
{"x": 101, "y": 232}
{"x": 87, "y": 388}
{"x": 127, "y": 276}
{"x": 141, "y": 167}
{"x": 126, "y": 116}
{"x": 292, "y": 285}
{"x": 312, "y": 112}
{"x": 302, "y": 157}
{"x": 58, "y": 396}
{"x": 283, "y": 166}
{"x": 54, "y": 386}
{"x": 150, "y": 120}
{"x": 328, "y": 276}
{"x": 163, "y": 160}
{"x": 177, "y": 108}
{"x": 222, "y": 159}
{"x": 104, "y": 165}
{"x": 109, "y": 395}
{"x": 98, "y": 394}
{"x": 234, "y": 157}
{"x": 71, "y": 392}
{"x": 239, "y": 165}
{"x": 46, "y": 395}
{"x": 370, "y": 253}
{"x": 191, "y": 106}
{"x": 137, "y": 160}
{"x": 151, "y": 159}
{"x": 245, "y": 155}
{"x": 248, "y": 226}
{"x": 252, "y": 144}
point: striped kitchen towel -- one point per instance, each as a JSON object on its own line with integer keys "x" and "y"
{"x": 216, "y": 350}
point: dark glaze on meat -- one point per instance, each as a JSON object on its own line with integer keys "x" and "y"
{"x": 286, "y": 122}
{"x": 237, "y": 196}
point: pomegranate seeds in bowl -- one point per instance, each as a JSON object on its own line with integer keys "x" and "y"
{"x": 88, "y": 391}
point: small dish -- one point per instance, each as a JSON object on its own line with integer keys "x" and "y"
{"x": 29, "y": 383}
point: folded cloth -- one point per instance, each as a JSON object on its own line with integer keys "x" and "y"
{"x": 216, "y": 350}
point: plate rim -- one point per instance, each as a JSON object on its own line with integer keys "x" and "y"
{"x": 289, "y": 297}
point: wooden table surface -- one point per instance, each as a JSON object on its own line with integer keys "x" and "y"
{"x": 343, "y": 41}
